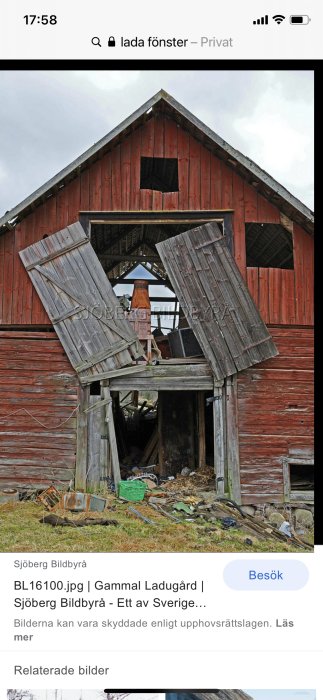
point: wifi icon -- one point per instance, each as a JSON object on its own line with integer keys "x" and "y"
{"x": 278, "y": 18}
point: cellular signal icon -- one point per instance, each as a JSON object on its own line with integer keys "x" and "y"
{"x": 261, "y": 20}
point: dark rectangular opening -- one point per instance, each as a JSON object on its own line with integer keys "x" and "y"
{"x": 269, "y": 245}
{"x": 301, "y": 477}
{"x": 159, "y": 174}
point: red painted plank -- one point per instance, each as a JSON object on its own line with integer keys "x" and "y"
{"x": 159, "y": 130}
{"x": 125, "y": 174}
{"x": 85, "y": 190}
{"x": 135, "y": 171}
{"x": 147, "y": 150}
{"x": 116, "y": 178}
{"x": 239, "y": 234}
{"x": 62, "y": 209}
{"x": 253, "y": 283}
{"x": 106, "y": 182}
{"x": 264, "y": 293}
{"x": 2, "y": 265}
{"x": 205, "y": 178}
{"x": 194, "y": 192}
{"x": 226, "y": 194}
{"x": 275, "y": 295}
{"x": 74, "y": 201}
{"x": 95, "y": 186}
{"x": 9, "y": 251}
{"x": 267, "y": 212}
{"x": 183, "y": 168}
{"x": 251, "y": 203}
{"x": 288, "y": 297}
{"x": 170, "y": 199}
{"x": 216, "y": 182}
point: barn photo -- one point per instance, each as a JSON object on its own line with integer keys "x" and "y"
{"x": 156, "y": 348}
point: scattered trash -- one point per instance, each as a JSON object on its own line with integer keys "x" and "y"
{"x": 228, "y": 522}
{"x": 182, "y": 506}
{"x": 248, "y": 541}
{"x": 49, "y": 498}
{"x": 9, "y": 496}
{"x": 141, "y": 516}
{"x": 77, "y": 502}
{"x": 285, "y": 528}
{"x": 132, "y": 490}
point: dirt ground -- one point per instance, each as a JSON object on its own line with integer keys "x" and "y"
{"x": 21, "y": 531}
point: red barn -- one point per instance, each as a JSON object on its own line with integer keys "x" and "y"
{"x": 236, "y": 248}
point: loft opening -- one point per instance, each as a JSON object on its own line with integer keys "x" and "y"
{"x": 159, "y": 174}
{"x": 269, "y": 245}
{"x": 299, "y": 479}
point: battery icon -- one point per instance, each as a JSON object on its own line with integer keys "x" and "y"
{"x": 299, "y": 19}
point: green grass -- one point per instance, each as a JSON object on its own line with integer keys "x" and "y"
{"x": 21, "y": 531}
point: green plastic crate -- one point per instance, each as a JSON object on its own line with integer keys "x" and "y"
{"x": 132, "y": 490}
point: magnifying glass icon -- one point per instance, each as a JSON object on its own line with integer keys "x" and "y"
{"x": 96, "y": 41}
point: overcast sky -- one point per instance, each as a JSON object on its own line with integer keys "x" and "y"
{"x": 48, "y": 118}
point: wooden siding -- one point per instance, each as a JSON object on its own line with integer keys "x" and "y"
{"x": 275, "y": 413}
{"x": 39, "y": 399}
{"x": 113, "y": 183}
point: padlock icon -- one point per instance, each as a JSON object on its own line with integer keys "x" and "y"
{"x": 112, "y": 41}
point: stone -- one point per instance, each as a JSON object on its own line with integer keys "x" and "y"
{"x": 303, "y": 518}
{"x": 276, "y": 519}
{"x": 248, "y": 510}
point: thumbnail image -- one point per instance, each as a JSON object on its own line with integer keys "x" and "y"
{"x": 167, "y": 695}
{"x": 156, "y": 316}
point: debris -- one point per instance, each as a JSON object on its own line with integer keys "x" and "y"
{"x": 76, "y": 501}
{"x": 56, "y": 521}
{"x": 49, "y": 498}
{"x": 228, "y": 522}
{"x": 164, "y": 512}
{"x": 150, "y": 484}
{"x": 276, "y": 519}
{"x": 9, "y": 496}
{"x": 248, "y": 541}
{"x": 185, "y": 471}
{"x": 141, "y": 516}
{"x": 285, "y": 528}
{"x": 132, "y": 490}
{"x": 182, "y": 506}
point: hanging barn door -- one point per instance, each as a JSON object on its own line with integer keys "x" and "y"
{"x": 80, "y": 302}
{"x": 215, "y": 300}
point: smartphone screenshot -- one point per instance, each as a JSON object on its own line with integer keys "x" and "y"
{"x": 158, "y": 536}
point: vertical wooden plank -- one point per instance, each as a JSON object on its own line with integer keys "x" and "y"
{"x": 288, "y": 297}
{"x": 263, "y": 281}
{"x": 250, "y": 203}
{"x": 216, "y": 182}
{"x": 170, "y": 199}
{"x": 300, "y": 280}
{"x": 94, "y": 442}
{"x": 275, "y": 295}
{"x": 267, "y": 212}
{"x": 239, "y": 233}
{"x": 226, "y": 194}
{"x": 160, "y": 443}
{"x": 8, "y": 279}
{"x": 253, "y": 283}
{"x": 194, "y": 187}
{"x": 105, "y": 454}
{"x": 183, "y": 168}
{"x": 27, "y": 287}
{"x": 62, "y": 209}
{"x": 112, "y": 437}
{"x": 106, "y": 182}
{"x": 19, "y": 277}
{"x": 116, "y": 178}
{"x": 157, "y": 201}
{"x": 2, "y": 265}
{"x": 125, "y": 174}
{"x": 38, "y": 314}
{"x": 201, "y": 427}
{"x": 81, "y": 439}
{"x": 233, "y": 460}
{"x": 218, "y": 440}
{"x": 205, "y": 178}
{"x": 135, "y": 171}
{"x": 95, "y": 186}
{"x": 85, "y": 190}
{"x": 147, "y": 150}
{"x": 74, "y": 200}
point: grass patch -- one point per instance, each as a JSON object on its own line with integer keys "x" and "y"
{"x": 21, "y": 531}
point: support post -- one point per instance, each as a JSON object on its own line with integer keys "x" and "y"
{"x": 234, "y": 485}
{"x": 218, "y": 437}
{"x": 201, "y": 428}
{"x": 81, "y": 439}
{"x": 112, "y": 436}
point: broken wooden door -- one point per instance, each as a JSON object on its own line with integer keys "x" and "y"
{"x": 80, "y": 302}
{"x": 215, "y": 300}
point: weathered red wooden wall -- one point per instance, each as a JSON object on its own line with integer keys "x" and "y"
{"x": 39, "y": 398}
{"x": 205, "y": 182}
{"x": 275, "y": 414}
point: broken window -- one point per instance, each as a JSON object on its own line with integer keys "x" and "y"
{"x": 159, "y": 174}
{"x": 298, "y": 479}
{"x": 269, "y": 245}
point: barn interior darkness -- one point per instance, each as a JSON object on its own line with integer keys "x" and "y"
{"x": 127, "y": 252}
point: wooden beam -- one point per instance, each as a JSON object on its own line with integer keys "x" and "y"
{"x": 201, "y": 428}
{"x": 233, "y": 461}
{"x": 112, "y": 436}
{"x": 81, "y": 439}
{"x": 218, "y": 438}
{"x": 133, "y": 369}
{"x": 116, "y": 257}
{"x": 124, "y": 280}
